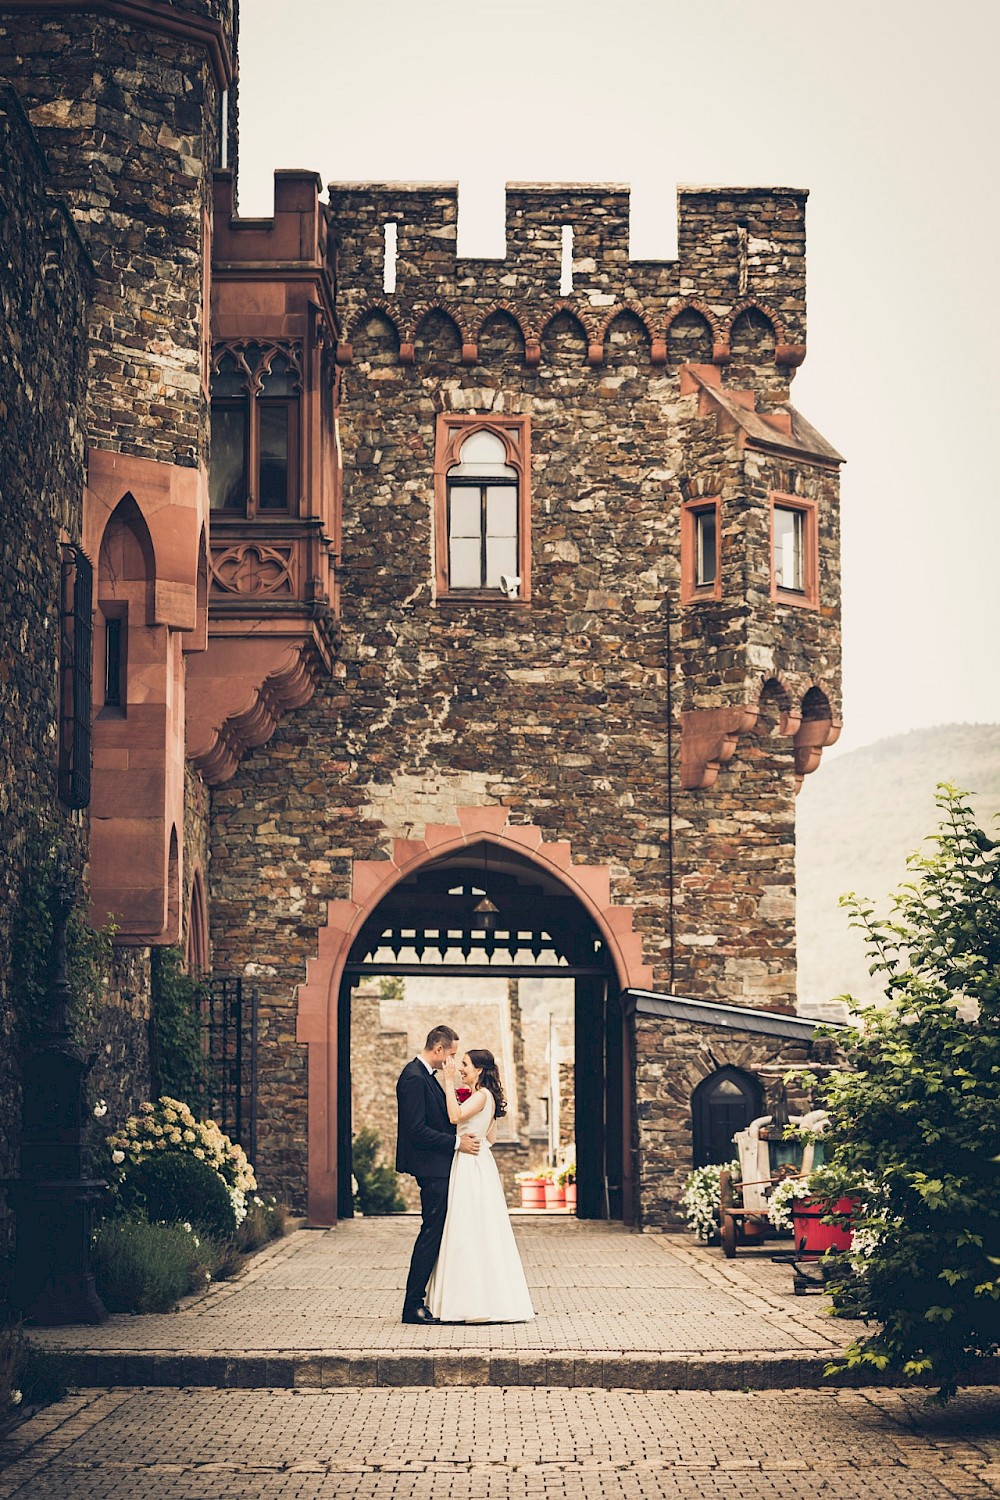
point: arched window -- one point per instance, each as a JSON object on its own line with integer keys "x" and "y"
{"x": 255, "y": 431}
{"x": 481, "y": 524}
{"x": 482, "y": 514}
{"x": 722, "y": 1104}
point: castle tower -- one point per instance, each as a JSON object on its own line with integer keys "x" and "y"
{"x": 590, "y": 606}
{"x": 133, "y": 106}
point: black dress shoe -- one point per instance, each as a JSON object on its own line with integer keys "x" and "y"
{"x": 418, "y": 1315}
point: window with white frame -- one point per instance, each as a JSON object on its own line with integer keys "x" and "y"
{"x": 794, "y": 551}
{"x": 482, "y": 508}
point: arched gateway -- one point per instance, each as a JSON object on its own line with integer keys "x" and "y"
{"x": 554, "y": 919}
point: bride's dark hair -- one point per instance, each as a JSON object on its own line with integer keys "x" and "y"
{"x": 480, "y": 1057}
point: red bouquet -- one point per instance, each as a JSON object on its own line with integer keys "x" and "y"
{"x": 462, "y": 1093}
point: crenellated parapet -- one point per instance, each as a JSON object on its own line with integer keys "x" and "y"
{"x": 738, "y": 281}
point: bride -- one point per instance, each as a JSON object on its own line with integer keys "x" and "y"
{"x": 478, "y": 1277}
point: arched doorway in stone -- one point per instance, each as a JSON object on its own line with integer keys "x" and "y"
{"x": 570, "y": 927}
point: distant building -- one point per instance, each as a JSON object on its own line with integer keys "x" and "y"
{"x": 441, "y": 611}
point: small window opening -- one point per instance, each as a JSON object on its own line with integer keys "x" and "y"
{"x": 113, "y": 657}
{"x": 566, "y": 263}
{"x": 706, "y": 545}
{"x": 224, "y": 130}
{"x": 789, "y": 549}
{"x": 389, "y": 257}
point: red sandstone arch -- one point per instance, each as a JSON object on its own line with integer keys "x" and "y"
{"x": 371, "y": 881}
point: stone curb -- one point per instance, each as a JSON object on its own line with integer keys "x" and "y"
{"x": 332, "y": 1369}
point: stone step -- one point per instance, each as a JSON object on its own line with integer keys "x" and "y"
{"x": 792, "y": 1370}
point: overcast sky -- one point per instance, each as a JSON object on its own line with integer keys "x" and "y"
{"x": 887, "y": 110}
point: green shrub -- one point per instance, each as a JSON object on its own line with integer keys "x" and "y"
{"x": 176, "y": 999}
{"x": 265, "y": 1221}
{"x": 141, "y": 1267}
{"x": 221, "y": 1259}
{"x": 175, "y": 1188}
{"x": 378, "y": 1185}
{"x": 915, "y": 1124}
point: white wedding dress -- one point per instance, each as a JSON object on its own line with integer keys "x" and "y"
{"x": 478, "y": 1277}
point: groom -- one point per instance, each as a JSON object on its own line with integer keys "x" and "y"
{"x": 426, "y": 1142}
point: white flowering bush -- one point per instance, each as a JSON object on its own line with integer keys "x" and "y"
{"x": 784, "y": 1196}
{"x": 169, "y": 1125}
{"x": 700, "y": 1197}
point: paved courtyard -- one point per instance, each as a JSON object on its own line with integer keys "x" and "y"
{"x": 655, "y": 1369}
{"x": 157, "y": 1444}
{"x": 614, "y": 1308}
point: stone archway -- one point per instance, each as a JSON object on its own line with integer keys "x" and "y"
{"x": 371, "y": 881}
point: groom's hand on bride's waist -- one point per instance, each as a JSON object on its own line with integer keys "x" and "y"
{"x": 469, "y": 1144}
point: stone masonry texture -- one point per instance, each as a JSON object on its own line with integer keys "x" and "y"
{"x": 557, "y": 709}
{"x": 644, "y": 386}
{"x": 47, "y": 280}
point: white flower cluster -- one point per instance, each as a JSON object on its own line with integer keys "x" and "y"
{"x": 100, "y": 1109}
{"x": 783, "y": 1197}
{"x": 700, "y": 1197}
{"x": 868, "y": 1237}
{"x": 169, "y": 1125}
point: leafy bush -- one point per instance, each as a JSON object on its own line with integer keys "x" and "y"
{"x": 915, "y": 1126}
{"x": 265, "y": 1221}
{"x": 177, "y": 1059}
{"x": 141, "y": 1267}
{"x": 378, "y": 1186}
{"x": 173, "y": 1188}
{"x": 169, "y": 1126}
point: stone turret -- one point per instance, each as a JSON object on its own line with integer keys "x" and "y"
{"x": 130, "y": 103}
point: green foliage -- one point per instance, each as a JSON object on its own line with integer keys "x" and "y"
{"x": 265, "y": 1221}
{"x": 378, "y": 1186}
{"x": 915, "y": 1132}
{"x": 88, "y": 953}
{"x": 392, "y": 987}
{"x": 173, "y": 1187}
{"x": 175, "y": 1024}
{"x": 141, "y": 1267}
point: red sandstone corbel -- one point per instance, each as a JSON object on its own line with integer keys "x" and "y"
{"x": 789, "y": 354}
{"x": 708, "y": 740}
{"x": 658, "y": 350}
{"x": 407, "y": 353}
{"x": 345, "y": 353}
{"x": 811, "y": 739}
{"x": 721, "y": 353}
{"x": 470, "y": 354}
{"x": 595, "y": 353}
{"x": 532, "y": 353}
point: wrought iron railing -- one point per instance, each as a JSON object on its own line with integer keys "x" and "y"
{"x": 230, "y": 1026}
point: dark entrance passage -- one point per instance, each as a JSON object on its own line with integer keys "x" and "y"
{"x": 483, "y": 913}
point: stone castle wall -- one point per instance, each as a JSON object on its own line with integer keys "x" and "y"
{"x": 47, "y": 281}
{"x": 129, "y": 120}
{"x": 556, "y": 709}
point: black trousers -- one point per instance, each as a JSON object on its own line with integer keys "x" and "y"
{"x": 433, "y": 1208}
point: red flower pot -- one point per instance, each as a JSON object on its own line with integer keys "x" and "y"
{"x": 812, "y": 1237}
{"x": 532, "y": 1193}
{"x": 571, "y": 1195}
{"x": 555, "y": 1195}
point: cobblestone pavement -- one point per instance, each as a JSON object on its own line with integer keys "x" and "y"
{"x": 598, "y": 1290}
{"x": 196, "y": 1444}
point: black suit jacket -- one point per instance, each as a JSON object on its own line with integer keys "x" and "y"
{"x": 425, "y": 1137}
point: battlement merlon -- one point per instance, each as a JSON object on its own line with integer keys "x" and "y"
{"x": 296, "y": 233}
{"x": 735, "y": 245}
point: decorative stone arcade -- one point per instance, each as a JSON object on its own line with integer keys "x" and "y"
{"x": 554, "y": 919}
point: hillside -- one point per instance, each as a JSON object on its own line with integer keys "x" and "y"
{"x": 859, "y": 816}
